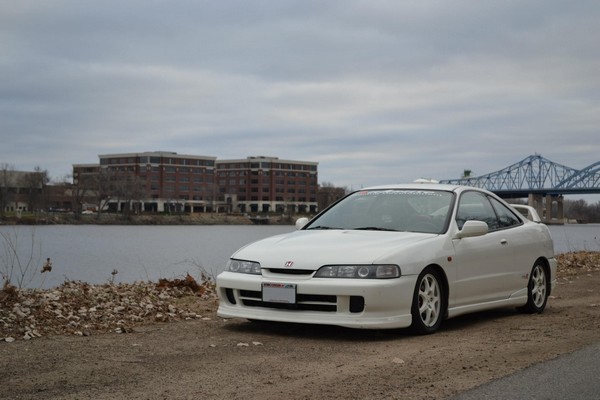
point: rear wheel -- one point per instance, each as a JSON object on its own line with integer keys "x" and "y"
{"x": 428, "y": 302}
{"x": 537, "y": 290}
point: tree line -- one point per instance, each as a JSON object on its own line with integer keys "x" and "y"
{"x": 33, "y": 188}
{"x": 582, "y": 211}
{"x": 25, "y": 187}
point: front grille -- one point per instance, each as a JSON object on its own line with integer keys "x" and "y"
{"x": 291, "y": 271}
{"x": 304, "y": 302}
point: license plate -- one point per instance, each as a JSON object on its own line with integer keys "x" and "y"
{"x": 279, "y": 293}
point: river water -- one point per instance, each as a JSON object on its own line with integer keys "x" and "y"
{"x": 90, "y": 253}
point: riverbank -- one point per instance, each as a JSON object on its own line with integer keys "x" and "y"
{"x": 146, "y": 219}
{"x": 78, "y": 308}
{"x": 203, "y": 356}
{"x": 81, "y": 309}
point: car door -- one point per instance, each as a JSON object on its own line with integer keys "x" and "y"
{"x": 481, "y": 261}
{"x": 520, "y": 241}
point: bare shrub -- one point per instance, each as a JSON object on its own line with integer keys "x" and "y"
{"x": 20, "y": 256}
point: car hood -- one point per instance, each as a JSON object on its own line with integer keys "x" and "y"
{"x": 310, "y": 250}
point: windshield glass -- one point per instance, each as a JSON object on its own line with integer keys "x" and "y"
{"x": 391, "y": 210}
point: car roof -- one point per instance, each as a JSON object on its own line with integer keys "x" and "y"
{"x": 418, "y": 186}
{"x": 427, "y": 186}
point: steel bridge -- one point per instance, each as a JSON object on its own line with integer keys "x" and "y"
{"x": 538, "y": 179}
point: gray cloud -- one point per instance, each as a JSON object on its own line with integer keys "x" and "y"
{"x": 377, "y": 91}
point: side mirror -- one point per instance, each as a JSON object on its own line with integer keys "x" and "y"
{"x": 472, "y": 229}
{"x": 300, "y": 222}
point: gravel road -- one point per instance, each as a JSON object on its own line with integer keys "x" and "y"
{"x": 212, "y": 358}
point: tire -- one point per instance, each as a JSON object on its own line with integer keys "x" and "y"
{"x": 428, "y": 305}
{"x": 538, "y": 290}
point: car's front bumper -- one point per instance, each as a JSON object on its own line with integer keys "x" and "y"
{"x": 354, "y": 303}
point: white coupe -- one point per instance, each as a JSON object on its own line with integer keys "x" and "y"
{"x": 393, "y": 257}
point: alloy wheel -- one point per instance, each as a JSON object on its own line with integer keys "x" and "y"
{"x": 430, "y": 300}
{"x": 538, "y": 282}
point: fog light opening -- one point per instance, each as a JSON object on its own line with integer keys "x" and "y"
{"x": 230, "y": 296}
{"x": 357, "y": 304}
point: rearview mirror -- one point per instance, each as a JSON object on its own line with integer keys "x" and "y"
{"x": 473, "y": 228}
{"x": 300, "y": 222}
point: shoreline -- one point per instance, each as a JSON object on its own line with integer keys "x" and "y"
{"x": 81, "y": 309}
{"x": 147, "y": 219}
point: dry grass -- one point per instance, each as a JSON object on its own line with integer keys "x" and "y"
{"x": 577, "y": 263}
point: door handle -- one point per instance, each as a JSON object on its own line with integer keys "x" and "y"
{"x": 503, "y": 242}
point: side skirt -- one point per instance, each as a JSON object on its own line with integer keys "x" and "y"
{"x": 516, "y": 300}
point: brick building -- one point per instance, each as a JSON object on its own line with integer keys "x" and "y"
{"x": 150, "y": 181}
{"x": 268, "y": 184}
{"x": 167, "y": 181}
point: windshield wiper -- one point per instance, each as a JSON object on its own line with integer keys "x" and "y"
{"x": 375, "y": 228}
{"x": 322, "y": 227}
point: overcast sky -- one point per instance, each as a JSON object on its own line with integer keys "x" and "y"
{"x": 375, "y": 91}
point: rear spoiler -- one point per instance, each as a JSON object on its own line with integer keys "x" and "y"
{"x": 527, "y": 211}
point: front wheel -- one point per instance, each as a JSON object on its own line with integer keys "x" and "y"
{"x": 428, "y": 303}
{"x": 537, "y": 290}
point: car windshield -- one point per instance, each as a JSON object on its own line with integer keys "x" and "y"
{"x": 389, "y": 210}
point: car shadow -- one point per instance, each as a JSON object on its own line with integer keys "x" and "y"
{"x": 478, "y": 318}
{"x": 336, "y": 333}
{"x": 315, "y": 332}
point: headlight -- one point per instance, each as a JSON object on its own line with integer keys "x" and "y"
{"x": 359, "y": 271}
{"x": 243, "y": 267}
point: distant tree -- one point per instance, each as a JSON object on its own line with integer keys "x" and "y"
{"x": 582, "y": 211}
{"x": 6, "y": 186}
{"x": 575, "y": 209}
{"x": 84, "y": 190}
{"x": 136, "y": 192}
{"x": 328, "y": 193}
{"x": 466, "y": 174}
{"x": 35, "y": 183}
{"x": 103, "y": 183}
{"x": 129, "y": 190}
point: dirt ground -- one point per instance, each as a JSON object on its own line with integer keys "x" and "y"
{"x": 212, "y": 358}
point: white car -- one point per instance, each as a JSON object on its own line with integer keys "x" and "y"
{"x": 393, "y": 257}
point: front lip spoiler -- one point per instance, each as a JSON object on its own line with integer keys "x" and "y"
{"x": 309, "y": 317}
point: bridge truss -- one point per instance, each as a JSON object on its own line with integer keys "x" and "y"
{"x": 536, "y": 175}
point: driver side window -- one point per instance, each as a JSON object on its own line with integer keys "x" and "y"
{"x": 506, "y": 218}
{"x": 476, "y": 206}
